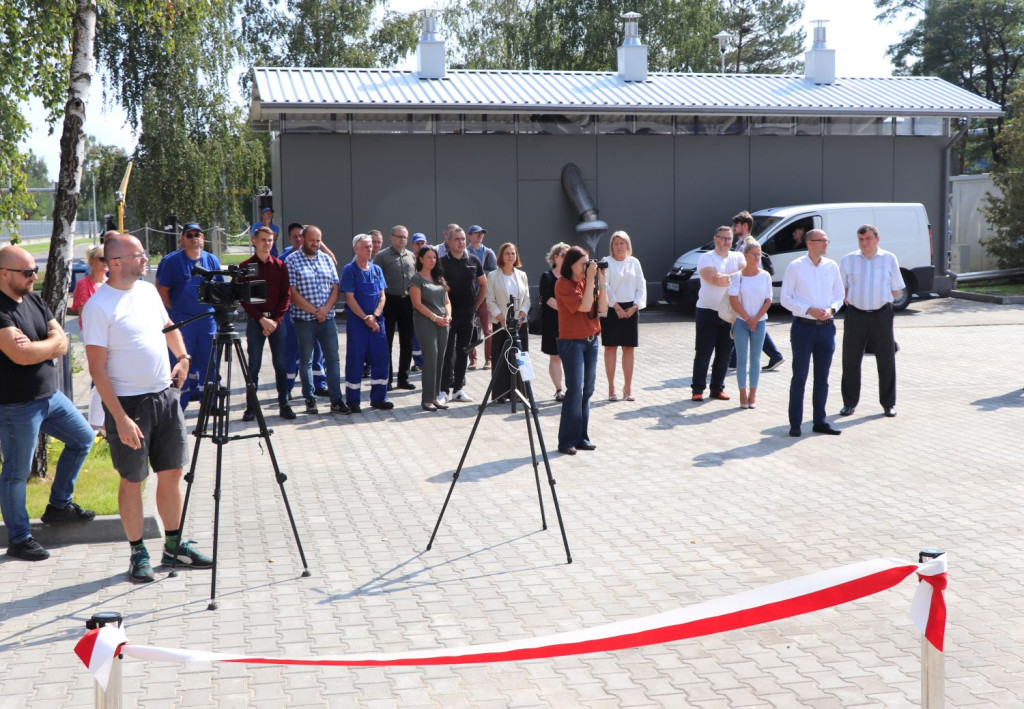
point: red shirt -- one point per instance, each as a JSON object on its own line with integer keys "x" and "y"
{"x": 275, "y": 273}
{"x": 573, "y": 324}
{"x": 84, "y": 289}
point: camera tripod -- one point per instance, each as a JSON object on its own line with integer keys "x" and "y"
{"x": 514, "y": 394}
{"x": 213, "y": 424}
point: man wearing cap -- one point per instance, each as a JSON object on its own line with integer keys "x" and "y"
{"x": 363, "y": 284}
{"x": 267, "y": 220}
{"x": 485, "y": 255}
{"x": 265, "y": 321}
{"x": 30, "y": 339}
{"x": 399, "y": 266}
{"x": 179, "y": 290}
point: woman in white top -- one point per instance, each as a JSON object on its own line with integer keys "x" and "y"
{"x": 507, "y": 283}
{"x": 750, "y": 293}
{"x": 627, "y": 295}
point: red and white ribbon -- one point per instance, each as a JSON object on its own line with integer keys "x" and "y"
{"x": 786, "y": 599}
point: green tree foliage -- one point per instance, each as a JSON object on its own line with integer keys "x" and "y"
{"x": 762, "y": 40}
{"x": 584, "y": 36}
{"x": 975, "y": 44}
{"x": 104, "y": 164}
{"x": 326, "y": 33}
{"x": 36, "y": 175}
{"x": 1007, "y": 212}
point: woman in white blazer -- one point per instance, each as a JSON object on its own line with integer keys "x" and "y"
{"x": 507, "y": 282}
{"x": 627, "y": 296}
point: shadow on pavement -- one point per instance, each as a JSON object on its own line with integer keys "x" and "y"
{"x": 1012, "y": 399}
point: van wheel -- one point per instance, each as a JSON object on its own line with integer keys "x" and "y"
{"x": 903, "y": 299}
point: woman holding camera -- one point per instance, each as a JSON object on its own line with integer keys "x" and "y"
{"x": 549, "y": 315}
{"x": 627, "y": 295}
{"x": 507, "y": 289}
{"x": 582, "y": 296}
{"x": 432, "y": 313}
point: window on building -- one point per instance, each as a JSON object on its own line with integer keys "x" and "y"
{"x": 488, "y": 123}
{"x": 773, "y": 125}
{"x": 556, "y": 124}
{"x": 721, "y": 125}
{"x": 654, "y": 125}
{"x": 858, "y": 126}
{"x": 392, "y": 123}
{"x": 616, "y": 124}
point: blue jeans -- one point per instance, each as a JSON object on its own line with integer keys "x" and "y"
{"x": 817, "y": 341}
{"x": 255, "y": 339}
{"x": 748, "y": 351}
{"x": 20, "y": 425}
{"x": 579, "y": 361}
{"x": 326, "y": 333}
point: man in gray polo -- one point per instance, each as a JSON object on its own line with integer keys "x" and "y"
{"x": 871, "y": 280}
{"x": 399, "y": 266}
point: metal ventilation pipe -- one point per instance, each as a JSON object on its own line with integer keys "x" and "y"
{"x": 819, "y": 60}
{"x": 632, "y": 54}
{"x": 589, "y": 226}
{"x": 430, "y": 59}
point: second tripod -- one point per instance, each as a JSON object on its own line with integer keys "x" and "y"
{"x": 213, "y": 424}
{"x": 510, "y": 356}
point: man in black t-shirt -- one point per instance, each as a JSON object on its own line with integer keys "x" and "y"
{"x": 30, "y": 338}
{"x": 468, "y": 286}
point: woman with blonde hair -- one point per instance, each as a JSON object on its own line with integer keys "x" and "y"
{"x": 750, "y": 294}
{"x": 84, "y": 289}
{"x": 627, "y": 296}
{"x": 549, "y": 315}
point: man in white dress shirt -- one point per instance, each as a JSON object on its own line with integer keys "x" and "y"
{"x": 872, "y": 278}
{"x": 812, "y": 290}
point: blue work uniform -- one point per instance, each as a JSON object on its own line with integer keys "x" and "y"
{"x": 175, "y": 273}
{"x": 291, "y": 351}
{"x": 360, "y": 341}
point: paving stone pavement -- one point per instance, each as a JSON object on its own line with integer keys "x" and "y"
{"x": 680, "y": 503}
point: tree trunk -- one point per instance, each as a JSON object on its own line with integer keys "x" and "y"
{"x": 69, "y": 180}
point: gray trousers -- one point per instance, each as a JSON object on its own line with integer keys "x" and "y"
{"x": 433, "y": 340}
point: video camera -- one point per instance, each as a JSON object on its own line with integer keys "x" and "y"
{"x": 234, "y": 290}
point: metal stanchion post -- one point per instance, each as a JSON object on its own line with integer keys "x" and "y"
{"x": 933, "y": 680}
{"x": 109, "y": 698}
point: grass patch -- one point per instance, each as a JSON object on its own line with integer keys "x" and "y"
{"x": 43, "y": 247}
{"x": 994, "y": 288}
{"x": 95, "y": 489}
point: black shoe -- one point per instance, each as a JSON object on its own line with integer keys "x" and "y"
{"x": 890, "y": 412}
{"x": 366, "y": 372}
{"x": 406, "y": 384}
{"x": 338, "y": 407}
{"x": 383, "y": 405}
{"x": 28, "y": 550}
{"x": 248, "y": 415}
{"x": 567, "y": 451}
{"x": 311, "y": 406}
{"x": 415, "y": 368}
{"x": 355, "y": 409}
{"x": 324, "y": 393}
{"x": 794, "y": 431}
{"x": 391, "y": 386}
{"x": 286, "y": 412}
{"x": 826, "y": 429}
{"x": 773, "y": 364}
{"x": 586, "y": 446}
{"x": 847, "y": 410}
{"x": 71, "y": 513}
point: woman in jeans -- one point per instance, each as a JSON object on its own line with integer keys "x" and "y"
{"x": 750, "y": 293}
{"x": 432, "y": 313}
{"x": 581, "y": 287}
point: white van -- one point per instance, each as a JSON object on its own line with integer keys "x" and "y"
{"x": 904, "y": 231}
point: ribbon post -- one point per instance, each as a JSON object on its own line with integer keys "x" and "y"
{"x": 932, "y": 606}
{"x": 100, "y": 650}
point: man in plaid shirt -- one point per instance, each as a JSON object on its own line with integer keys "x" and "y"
{"x": 314, "y": 291}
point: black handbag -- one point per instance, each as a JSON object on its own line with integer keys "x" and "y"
{"x": 536, "y": 319}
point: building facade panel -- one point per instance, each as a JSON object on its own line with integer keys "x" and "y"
{"x": 393, "y": 182}
{"x": 316, "y": 186}
{"x": 476, "y": 184}
{"x": 785, "y": 170}
{"x": 712, "y": 184}
{"x": 857, "y": 169}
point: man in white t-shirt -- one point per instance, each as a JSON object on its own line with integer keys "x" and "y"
{"x": 716, "y": 269}
{"x": 127, "y": 352}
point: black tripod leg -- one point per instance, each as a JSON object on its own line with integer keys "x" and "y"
{"x": 205, "y": 407}
{"x": 518, "y": 384}
{"x": 265, "y": 435}
{"x": 547, "y": 467}
{"x": 462, "y": 460}
{"x": 220, "y": 438}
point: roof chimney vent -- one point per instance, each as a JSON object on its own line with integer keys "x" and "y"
{"x": 430, "y": 59}
{"x": 819, "y": 60}
{"x": 632, "y": 54}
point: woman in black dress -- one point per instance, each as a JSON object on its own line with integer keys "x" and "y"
{"x": 549, "y": 315}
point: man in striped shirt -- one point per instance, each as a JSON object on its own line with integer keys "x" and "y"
{"x": 871, "y": 279}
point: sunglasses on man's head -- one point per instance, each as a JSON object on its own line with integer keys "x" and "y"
{"x": 26, "y": 272}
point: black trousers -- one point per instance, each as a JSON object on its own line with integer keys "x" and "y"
{"x": 398, "y": 317}
{"x": 453, "y": 373}
{"x": 860, "y": 329}
{"x": 501, "y": 370}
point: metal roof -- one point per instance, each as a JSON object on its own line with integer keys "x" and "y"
{"x": 280, "y": 91}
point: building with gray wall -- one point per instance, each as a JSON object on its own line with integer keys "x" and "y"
{"x": 666, "y": 157}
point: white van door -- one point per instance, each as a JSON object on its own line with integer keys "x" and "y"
{"x": 785, "y": 244}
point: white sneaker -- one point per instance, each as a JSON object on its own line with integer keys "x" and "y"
{"x": 461, "y": 395}
{"x": 442, "y": 398}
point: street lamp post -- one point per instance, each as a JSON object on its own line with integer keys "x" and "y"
{"x": 723, "y": 38}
